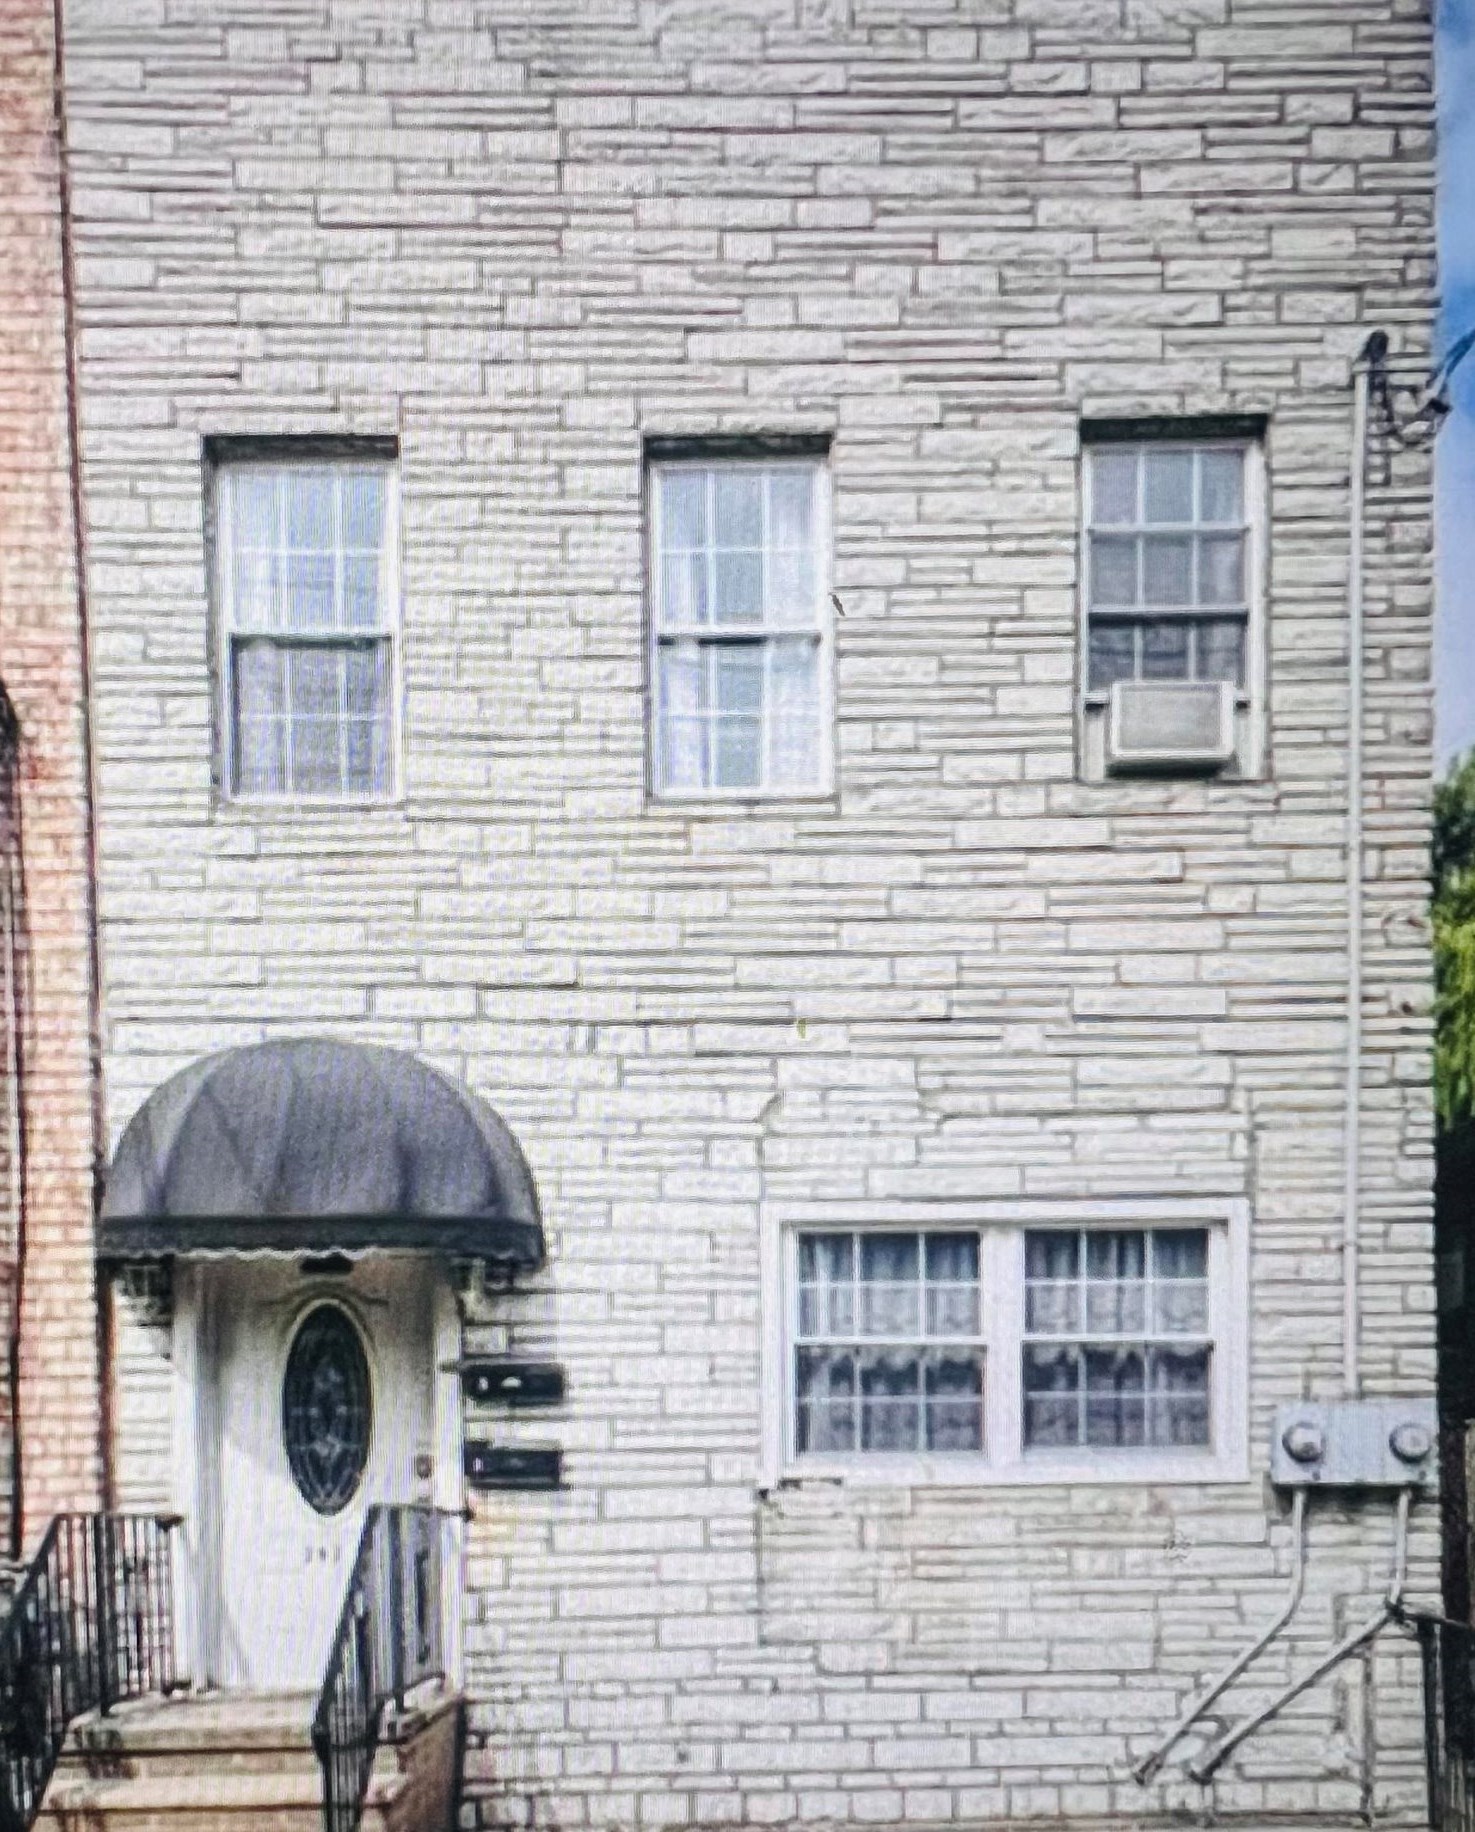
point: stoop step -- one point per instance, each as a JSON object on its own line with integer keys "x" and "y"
{"x": 226, "y": 1762}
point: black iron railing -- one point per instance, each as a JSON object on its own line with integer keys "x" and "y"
{"x": 90, "y": 1625}
{"x": 388, "y": 1640}
{"x": 1448, "y": 1650}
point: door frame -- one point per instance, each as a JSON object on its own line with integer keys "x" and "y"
{"x": 195, "y": 1475}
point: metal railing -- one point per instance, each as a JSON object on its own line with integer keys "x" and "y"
{"x": 1448, "y": 1650}
{"x": 388, "y": 1640}
{"x": 90, "y": 1625}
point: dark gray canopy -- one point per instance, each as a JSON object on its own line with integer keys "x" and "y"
{"x": 312, "y": 1146}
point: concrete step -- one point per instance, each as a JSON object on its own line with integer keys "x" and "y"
{"x": 229, "y": 1734}
{"x": 228, "y": 1762}
{"x": 207, "y": 1801}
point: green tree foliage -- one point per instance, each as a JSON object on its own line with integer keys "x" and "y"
{"x": 1454, "y": 944}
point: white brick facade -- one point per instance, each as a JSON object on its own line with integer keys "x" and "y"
{"x": 522, "y": 239}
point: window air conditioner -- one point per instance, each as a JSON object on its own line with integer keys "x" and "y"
{"x": 1170, "y": 725}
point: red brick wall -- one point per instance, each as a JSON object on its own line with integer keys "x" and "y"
{"x": 42, "y": 665}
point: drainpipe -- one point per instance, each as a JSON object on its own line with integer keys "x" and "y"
{"x": 1375, "y": 351}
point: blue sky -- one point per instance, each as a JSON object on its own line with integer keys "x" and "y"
{"x": 1454, "y": 667}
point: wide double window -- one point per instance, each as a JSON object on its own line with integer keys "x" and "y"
{"x": 1008, "y": 1348}
{"x": 308, "y": 613}
{"x": 740, "y": 627}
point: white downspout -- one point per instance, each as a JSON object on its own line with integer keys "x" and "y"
{"x": 1352, "y": 1119}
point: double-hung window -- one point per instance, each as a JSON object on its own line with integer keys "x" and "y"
{"x": 1012, "y": 1351}
{"x": 1168, "y": 563}
{"x": 740, "y": 627}
{"x": 1171, "y": 574}
{"x": 307, "y": 597}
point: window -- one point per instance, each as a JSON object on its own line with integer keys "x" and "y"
{"x": 1168, "y": 567}
{"x": 740, "y": 627}
{"x": 1014, "y": 1350}
{"x": 307, "y": 599}
{"x": 887, "y": 1353}
{"x": 1116, "y": 1349}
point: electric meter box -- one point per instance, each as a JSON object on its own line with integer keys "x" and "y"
{"x": 1351, "y": 1444}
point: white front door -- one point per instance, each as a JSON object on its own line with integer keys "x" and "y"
{"x": 323, "y": 1404}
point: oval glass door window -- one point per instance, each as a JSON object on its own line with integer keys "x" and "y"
{"x": 327, "y": 1410}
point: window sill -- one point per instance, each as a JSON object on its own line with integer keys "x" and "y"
{"x": 315, "y": 806}
{"x": 736, "y": 800}
{"x": 1099, "y": 1469}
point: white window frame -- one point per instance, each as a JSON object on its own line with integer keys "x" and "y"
{"x": 227, "y": 633}
{"x": 658, "y": 469}
{"x": 1250, "y": 696}
{"x": 1004, "y": 1461}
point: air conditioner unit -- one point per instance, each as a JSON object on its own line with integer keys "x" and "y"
{"x": 1170, "y": 725}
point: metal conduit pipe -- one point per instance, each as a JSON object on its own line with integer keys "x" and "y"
{"x": 1203, "y": 1769}
{"x": 1150, "y": 1765}
{"x": 1374, "y": 351}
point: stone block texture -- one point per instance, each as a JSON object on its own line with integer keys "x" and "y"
{"x": 49, "y": 1151}
{"x": 523, "y": 239}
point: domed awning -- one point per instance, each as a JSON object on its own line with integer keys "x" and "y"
{"x": 312, "y": 1146}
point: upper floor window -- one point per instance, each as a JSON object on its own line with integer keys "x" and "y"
{"x": 740, "y": 627}
{"x": 1170, "y": 604}
{"x": 307, "y": 595}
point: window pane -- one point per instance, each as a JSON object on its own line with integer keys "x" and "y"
{"x": 1221, "y": 651}
{"x": 1178, "y": 1413}
{"x": 308, "y": 591}
{"x": 310, "y": 510}
{"x": 1052, "y": 1413}
{"x": 1052, "y": 1289}
{"x": 794, "y": 715}
{"x": 739, "y": 587}
{"x": 314, "y": 690}
{"x": 790, "y": 496}
{"x": 361, "y": 591}
{"x": 737, "y": 754}
{"x": 363, "y": 510}
{"x": 684, "y": 590}
{"x": 1113, "y": 570}
{"x": 366, "y": 696}
{"x": 888, "y": 1258}
{"x": 952, "y": 1256}
{"x": 684, "y": 510}
{"x": 738, "y": 508}
{"x": 891, "y": 1400}
{"x": 1165, "y": 651}
{"x": 1119, "y": 1254}
{"x": 254, "y": 511}
{"x": 791, "y": 586}
{"x": 1113, "y": 487}
{"x": 682, "y": 749}
{"x": 1167, "y": 486}
{"x": 1180, "y": 1253}
{"x": 255, "y": 591}
{"x": 1113, "y": 654}
{"x": 1167, "y": 570}
{"x": 954, "y": 1410}
{"x": 826, "y": 1409}
{"x": 1222, "y": 486}
{"x": 1221, "y": 572}
{"x": 1116, "y": 1387}
{"x": 737, "y": 678}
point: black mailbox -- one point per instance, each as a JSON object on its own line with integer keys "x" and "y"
{"x": 495, "y": 1380}
{"x": 501, "y": 1466}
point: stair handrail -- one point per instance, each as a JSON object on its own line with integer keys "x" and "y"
{"x": 388, "y": 1640}
{"x": 89, "y": 1626}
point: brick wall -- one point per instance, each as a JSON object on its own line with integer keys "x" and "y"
{"x": 941, "y": 230}
{"x": 41, "y": 664}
